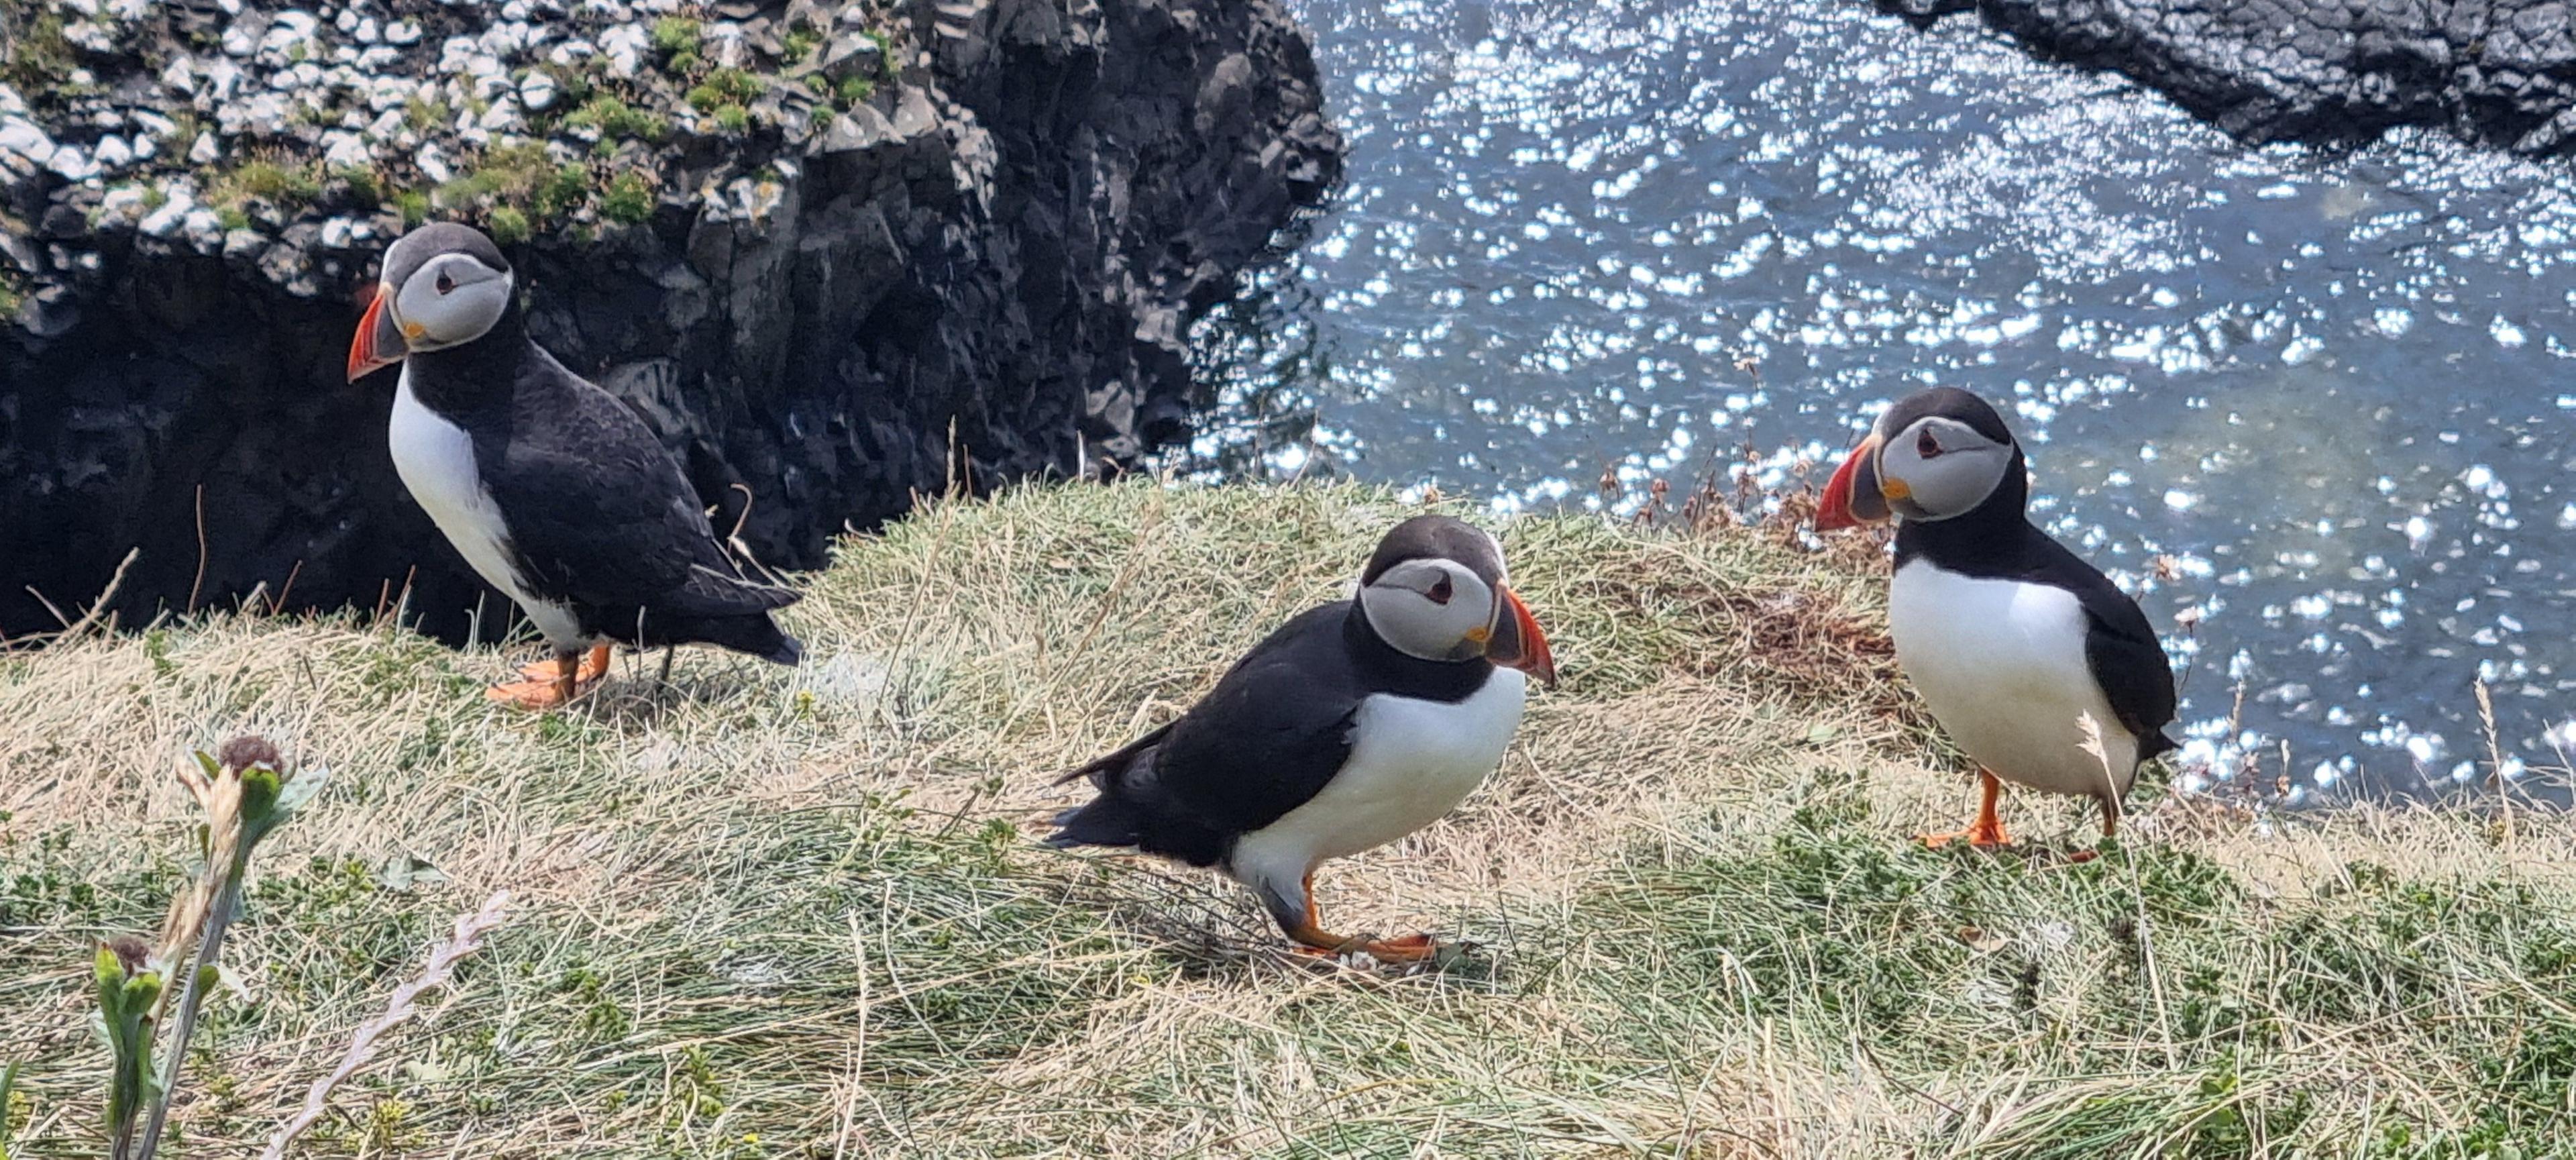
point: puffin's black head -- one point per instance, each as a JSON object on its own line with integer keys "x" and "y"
{"x": 1436, "y": 589}
{"x": 443, "y": 285}
{"x": 1935, "y": 455}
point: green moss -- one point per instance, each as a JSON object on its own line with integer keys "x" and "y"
{"x": 563, "y": 192}
{"x": 509, "y": 226}
{"x": 414, "y": 206}
{"x": 39, "y": 61}
{"x": 734, "y": 83}
{"x": 362, "y": 183}
{"x": 855, "y": 91}
{"x": 286, "y": 185}
{"x": 423, "y": 114}
{"x": 629, "y": 199}
{"x": 675, "y": 36}
{"x": 231, "y": 217}
{"x": 616, "y": 120}
{"x": 725, "y": 88}
{"x": 733, "y": 118}
{"x": 799, "y": 43}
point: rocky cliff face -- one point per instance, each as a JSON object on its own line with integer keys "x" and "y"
{"x": 837, "y": 253}
{"x": 2501, "y": 72}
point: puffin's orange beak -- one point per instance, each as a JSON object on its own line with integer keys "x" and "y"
{"x": 379, "y": 342}
{"x": 1852, "y": 496}
{"x": 1517, "y": 643}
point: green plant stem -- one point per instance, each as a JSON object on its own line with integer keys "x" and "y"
{"x": 8, "y": 1083}
{"x": 209, "y": 948}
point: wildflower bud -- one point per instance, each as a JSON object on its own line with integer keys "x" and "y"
{"x": 131, "y": 953}
{"x": 248, "y": 750}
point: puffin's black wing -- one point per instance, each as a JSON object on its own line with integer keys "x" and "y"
{"x": 2119, "y": 646}
{"x": 600, "y": 515}
{"x": 1275, "y": 729}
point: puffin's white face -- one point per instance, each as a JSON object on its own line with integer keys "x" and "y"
{"x": 451, "y": 300}
{"x": 1937, "y": 468}
{"x": 1437, "y": 610}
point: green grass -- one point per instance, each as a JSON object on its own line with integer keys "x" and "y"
{"x": 801, "y": 913}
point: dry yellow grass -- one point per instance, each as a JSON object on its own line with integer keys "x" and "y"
{"x": 799, "y": 914}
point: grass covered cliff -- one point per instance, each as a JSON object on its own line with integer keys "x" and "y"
{"x": 801, "y": 914}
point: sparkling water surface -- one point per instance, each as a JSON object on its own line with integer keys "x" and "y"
{"x": 2319, "y": 397}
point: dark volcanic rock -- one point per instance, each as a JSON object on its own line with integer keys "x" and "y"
{"x": 2500, "y": 72}
{"x": 837, "y": 253}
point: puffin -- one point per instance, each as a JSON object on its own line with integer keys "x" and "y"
{"x": 2013, "y": 642}
{"x": 552, "y": 488}
{"x": 1354, "y": 724}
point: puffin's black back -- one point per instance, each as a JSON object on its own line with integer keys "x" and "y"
{"x": 1275, "y": 729}
{"x": 599, "y": 516}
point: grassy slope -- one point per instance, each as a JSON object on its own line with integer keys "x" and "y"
{"x": 774, "y": 914}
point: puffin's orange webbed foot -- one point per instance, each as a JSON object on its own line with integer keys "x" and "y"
{"x": 1313, "y": 939}
{"x": 545, "y": 694}
{"x": 1408, "y": 949}
{"x": 554, "y": 682}
{"x": 1987, "y": 832}
{"x": 594, "y": 665}
{"x": 1975, "y": 836}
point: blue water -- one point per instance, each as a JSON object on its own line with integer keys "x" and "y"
{"x": 2325, "y": 390}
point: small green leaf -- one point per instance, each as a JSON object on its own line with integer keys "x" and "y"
{"x": 403, "y": 872}
{"x": 307, "y": 785}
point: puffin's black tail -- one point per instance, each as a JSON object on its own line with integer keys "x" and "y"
{"x": 755, "y": 634}
{"x": 2154, "y": 745}
{"x": 1107, "y": 820}
{"x": 1110, "y": 819}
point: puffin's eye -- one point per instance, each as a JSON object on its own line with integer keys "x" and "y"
{"x": 1439, "y": 592}
{"x": 1925, "y": 446}
{"x": 445, "y": 283}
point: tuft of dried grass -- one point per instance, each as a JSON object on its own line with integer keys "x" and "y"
{"x": 799, "y": 914}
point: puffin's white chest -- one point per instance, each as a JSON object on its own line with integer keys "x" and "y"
{"x": 2001, "y": 663}
{"x": 1411, "y": 762}
{"x": 435, "y": 459}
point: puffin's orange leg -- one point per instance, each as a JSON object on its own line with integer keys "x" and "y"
{"x": 1987, "y": 832}
{"x": 1316, "y": 940}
